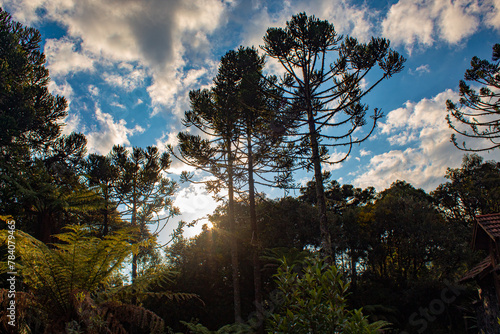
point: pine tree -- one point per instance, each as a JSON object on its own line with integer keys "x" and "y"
{"x": 40, "y": 169}
{"x": 214, "y": 113}
{"x": 145, "y": 192}
{"x": 477, "y": 115}
{"x": 325, "y": 99}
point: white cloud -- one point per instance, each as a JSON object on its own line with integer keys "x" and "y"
{"x": 160, "y": 36}
{"x": 457, "y": 20}
{"x": 353, "y": 20}
{"x": 62, "y": 57}
{"x": 492, "y": 8}
{"x": 335, "y": 161}
{"x": 71, "y": 124}
{"x": 110, "y": 133}
{"x": 195, "y": 199}
{"x": 422, "y": 128}
{"x": 63, "y": 89}
{"x": 129, "y": 80}
{"x": 420, "y": 70}
{"x": 170, "y": 138}
{"x": 422, "y": 23}
{"x": 194, "y": 203}
{"x": 408, "y": 22}
{"x": 118, "y": 105}
{"x": 172, "y": 90}
{"x": 93, "y": 90}
{"x": 363, "y": 152}
{"x": 415, "y": 116}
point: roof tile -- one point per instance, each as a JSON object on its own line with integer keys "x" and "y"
{"x": 490, "y": 224}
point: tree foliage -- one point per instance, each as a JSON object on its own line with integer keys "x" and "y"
{"x": 324, "y": 98}
{"x": 214, "y": 112}
{"x": 407, "y": 233}
{"x": 392, "y": 251}
{"x": 29, "y": 113}
{"x": 473, "y": 189}
{"x": 477, "y": 114}
{"x": 39, "y": 167}
{"x": 313, "y": 300}
{"x": 143, "y": 189}
{"x": 66, "y": 281}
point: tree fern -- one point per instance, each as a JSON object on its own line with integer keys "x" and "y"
{"x": 71, "y": 282}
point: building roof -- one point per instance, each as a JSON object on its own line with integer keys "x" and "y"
{"x": 486, "y": 229}
{"x": 490, "y": 223}
{"x": 482, "y": 269}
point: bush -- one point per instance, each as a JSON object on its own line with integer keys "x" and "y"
{"x": 313, "y": 301}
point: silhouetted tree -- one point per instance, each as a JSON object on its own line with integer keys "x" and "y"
{"x": 144, "y": 190}
{"x": 214, "y": 112}
{"x": 477, "y": 115}
{"x": 39, "y": 168}
{"x": 324, "y": 99}
{"x": 473, "y": 189}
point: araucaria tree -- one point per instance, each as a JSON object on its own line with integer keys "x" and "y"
{"x": 141, "y": 187}
{"x": 325, "y": 97}
{"x": 477, "y": 114}
{"x": 261, "y": 150}
{"x": 214, "y": 113}
{"x": 39, "y": 167}
{"x": 239, "y": 117}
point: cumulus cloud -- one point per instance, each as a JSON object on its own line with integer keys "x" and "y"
{"x": 110, "y": 133}
{"x": 71, "y": 124}
{"x": 93, "y": 90}
{"x": 423, "y": 23}
{"x": 172, "y": 90}
{"x": 423, "y": 149}
{"x": 194, "y": 203}
{"x": 492, "y": 8}
{"x": 170, "y": 138}
{"x": 128, "y": 79}
{"x": 335, "y": 161}
{"x": 352, "y": 19}
{"x": 195, "y": 199}
{"x": 62, "y": 57}
{"x": 420, "y": 70}
{"x": 160, "y": 36}
{"x": 364, "y": 152}
{"x": 62, "y": 89}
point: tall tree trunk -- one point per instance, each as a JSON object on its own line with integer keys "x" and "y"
{"x": 106, "y": 212}
{"x": 257, "y": 277}
{"x": 134, "y": 224}
{"x": 354, "y": 271}
{"x": 233, "y": 241}
{"x": 45, "y": 227}
{"x": 326, "y": 241}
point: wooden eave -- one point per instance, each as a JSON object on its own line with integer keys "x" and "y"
{"x": 480, "y": 271}
{"x": 486, "y": 230}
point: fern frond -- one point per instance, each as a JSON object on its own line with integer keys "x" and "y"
{"x": 78, "y": 262}
{"x": 27, "y": 312}
{"x": 136, "y": 315}
{"x": 154, "y": 283}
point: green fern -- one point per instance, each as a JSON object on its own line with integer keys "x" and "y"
{"x": 61, "y": 279}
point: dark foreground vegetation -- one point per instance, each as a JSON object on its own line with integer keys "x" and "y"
{"x": 335, "y": 259}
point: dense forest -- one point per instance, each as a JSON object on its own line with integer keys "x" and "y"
{"x": 79, "y": 239}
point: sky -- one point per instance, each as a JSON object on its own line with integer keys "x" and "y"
{"x": 126, "y": 68}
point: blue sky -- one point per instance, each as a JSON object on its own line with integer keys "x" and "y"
{"x": 127, "y": 66}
